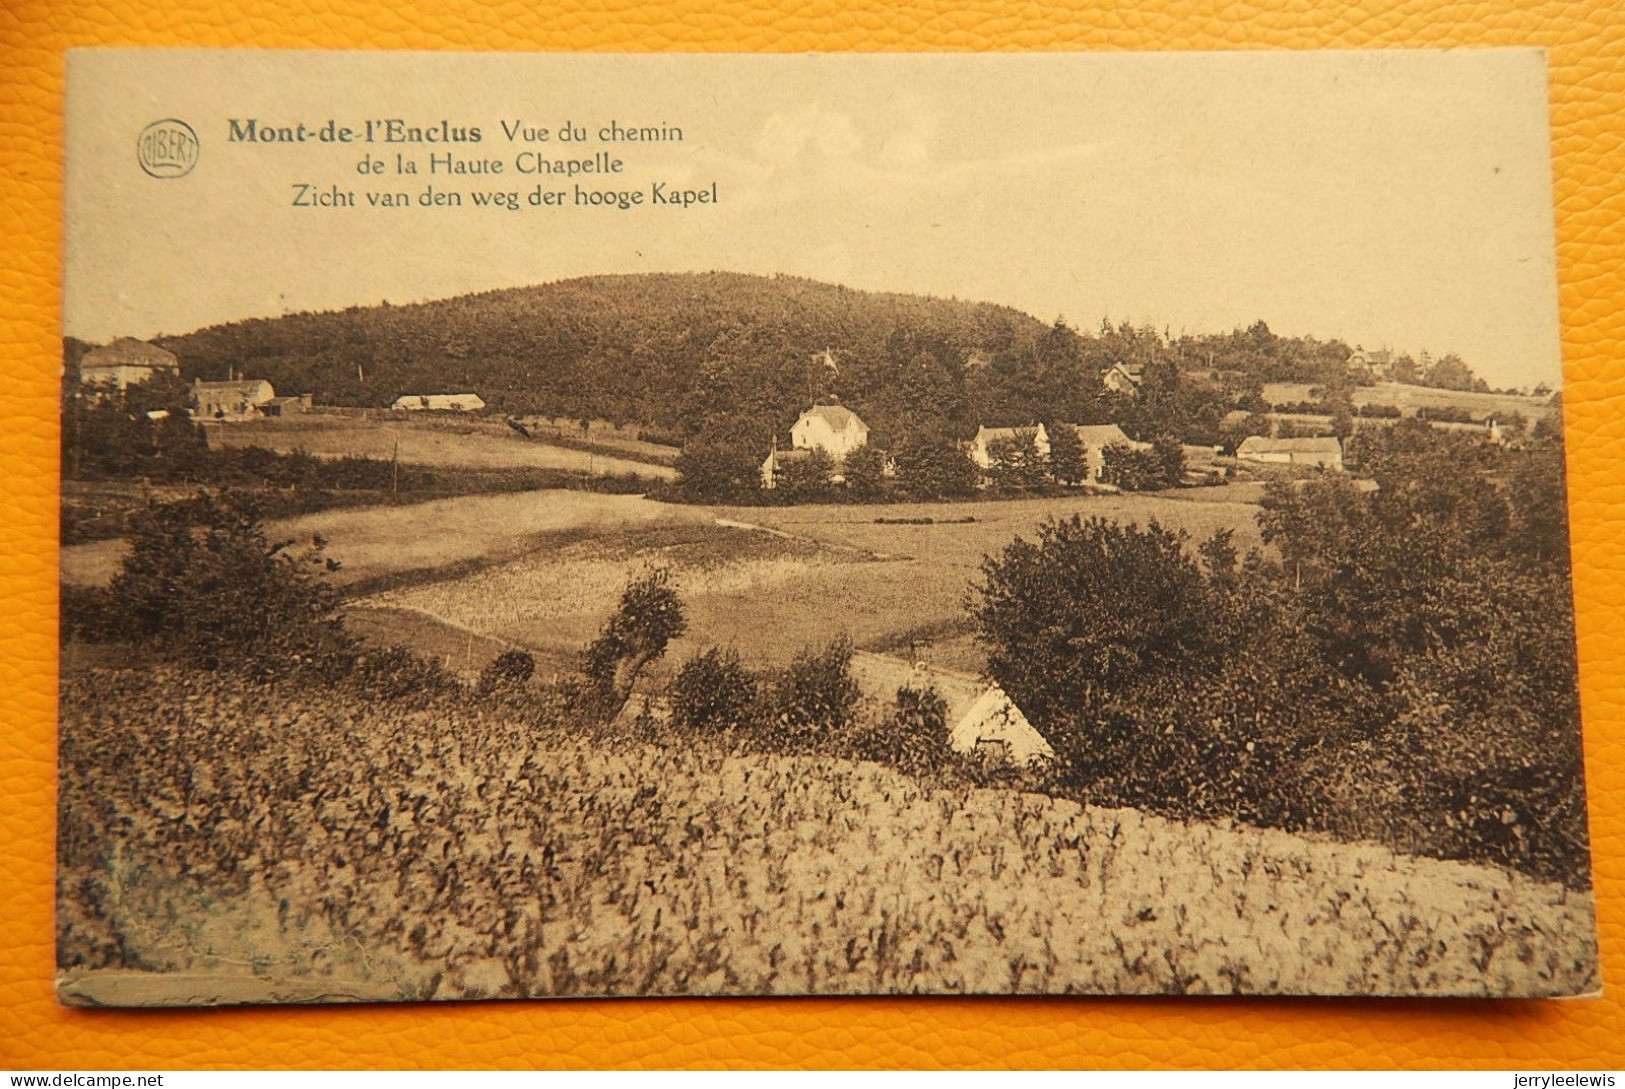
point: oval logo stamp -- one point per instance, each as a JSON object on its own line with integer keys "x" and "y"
{"x": 167, "y": 148}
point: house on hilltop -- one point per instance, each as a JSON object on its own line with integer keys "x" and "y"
{"x": 1379, "y": 363}
{"x": 237, "y": 400}
{"x": 439, "y": 402}
{"x": 834, "y": 429}
{"x": 125, "y": 362}
{"x": 1325, "y": 453}
{"x": 988, "y": 437}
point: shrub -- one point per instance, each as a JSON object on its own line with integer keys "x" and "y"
{"x": 817, "y": 689}
{"x": 714, "y": 691}
{"x": 650, "y": 615}
{"x": 914, "y": 737}
{"x": 508, "y": 672}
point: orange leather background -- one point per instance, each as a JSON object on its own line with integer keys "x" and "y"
{"x": 1586, "y": 43}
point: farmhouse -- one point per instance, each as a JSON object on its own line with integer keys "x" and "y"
{"x": 439, "y": 402}
{"x": 987, "y": 437}
{"x": 831, "y": 428}
{"x": 1324, "y": 453}
{"x": 238, "y": 400}
{"x": 1123, "y": 377}
{"x": 1379, "y": 363}
{"x": 1095, "y": 438}
{"x": 125, "y": 362}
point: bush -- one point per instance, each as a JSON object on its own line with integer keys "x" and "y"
{"x": 713, "y": 691}
{"x": 507, "y": 673}
{"x": 817, "y": 690}
{"x": 204, "y": 585}
{"x": 650, "y": 615}
{"x": 914, "y": 737}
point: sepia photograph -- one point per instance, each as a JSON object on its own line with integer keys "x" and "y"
{"x": 551, "y": 526}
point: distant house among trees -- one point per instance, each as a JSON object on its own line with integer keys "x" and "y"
{"x": 1379, "y": 363}
{"x": 834, "y": 429}
{"x": 1325, "y": 453}
{"x": 439, "y": 402}
{"x": 1124, "y": 377}
{"x": 984, "y": 448}
{"x": 1095, "y": 439}
{"x": 241, "y": 399}
{"x": 778, "y": 461}
{"x": 126, "y": 362}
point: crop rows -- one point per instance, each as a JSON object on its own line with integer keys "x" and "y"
{"x": 214, "y": 828}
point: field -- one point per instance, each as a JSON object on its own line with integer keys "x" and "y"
{"x": 1411, "y": 398}
{"x": 241, "y": 844}
{"x": 471, "y": 443}
{"x": 542, "y": 570}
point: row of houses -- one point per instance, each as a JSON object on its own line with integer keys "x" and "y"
{"x": 838, "y": 431}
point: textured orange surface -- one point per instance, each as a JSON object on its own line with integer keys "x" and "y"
{"x": 1586, "y": 44}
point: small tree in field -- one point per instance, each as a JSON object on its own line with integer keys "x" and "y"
{"x": 817, "y": 690}
{"x": 648, "y": 618}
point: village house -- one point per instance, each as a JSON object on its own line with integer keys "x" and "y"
{"x": 1379, "y": 363}
{"x": 1095, "y": 438}
{"x": 236, "y": 400}
{"x": 831, "y": 428}
{"x": 1124, "y": 377}
{"x": 988, "y": 437}
{"x": 439, "y": 402}
{"x": 125, "y": 362}
{"x": 1325, "y": 453}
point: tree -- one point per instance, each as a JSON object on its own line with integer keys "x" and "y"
{"x": 649, "y": 617}
{"x": 1014, "y": 463}
{"x": 817, "y": 689}
{"x": 203, "y": 584}
{"x": 865, "y": 472}
{"x": 1089, "y": 605}
{"x": 1067, "y": 461}
{"x": 936, "y": 468}
{"x": 804, "y": 476}
{"x": 713, "y": 690}
{"x": 716, "y": 470}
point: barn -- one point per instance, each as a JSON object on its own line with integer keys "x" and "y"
{"x": 1326, "y": 453}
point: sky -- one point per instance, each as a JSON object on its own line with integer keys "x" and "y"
{"x": 1399, "y": 200}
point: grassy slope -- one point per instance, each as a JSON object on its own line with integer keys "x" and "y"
{"x": 435, "y": 855}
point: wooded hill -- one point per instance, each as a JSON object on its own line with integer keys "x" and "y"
{"x": 741, "y": 355}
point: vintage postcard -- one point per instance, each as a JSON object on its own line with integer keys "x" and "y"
{"x": 725, "y": 525}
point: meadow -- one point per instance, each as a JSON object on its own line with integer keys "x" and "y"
{"x": 237, "y": 842}
{"x": 429, "y": 441}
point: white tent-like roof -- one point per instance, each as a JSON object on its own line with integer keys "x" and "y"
{"x": 995, "y": 719}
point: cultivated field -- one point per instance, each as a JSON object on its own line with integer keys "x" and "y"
{"x": 242, "y": 844}
{"x": 477, "y": 444}
{"x": 1411, "y": 398}
{"x": 542, "y": 570}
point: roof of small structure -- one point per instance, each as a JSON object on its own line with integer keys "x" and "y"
{"x": 1102, "y": 435}
{"x": 1257, "y": 444}
{"x": 838, "y": 417}
{"x": 129, "y": 352}
{"x": 239, "y": 385}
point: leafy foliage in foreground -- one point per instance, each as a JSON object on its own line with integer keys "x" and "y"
{"x": 1405, "y": 672}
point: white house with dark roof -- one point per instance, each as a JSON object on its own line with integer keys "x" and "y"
{"x": 834, "y": 429}
{"x": 125, "y": 362}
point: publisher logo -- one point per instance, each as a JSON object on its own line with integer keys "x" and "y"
{"x": 167, "y": 148}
